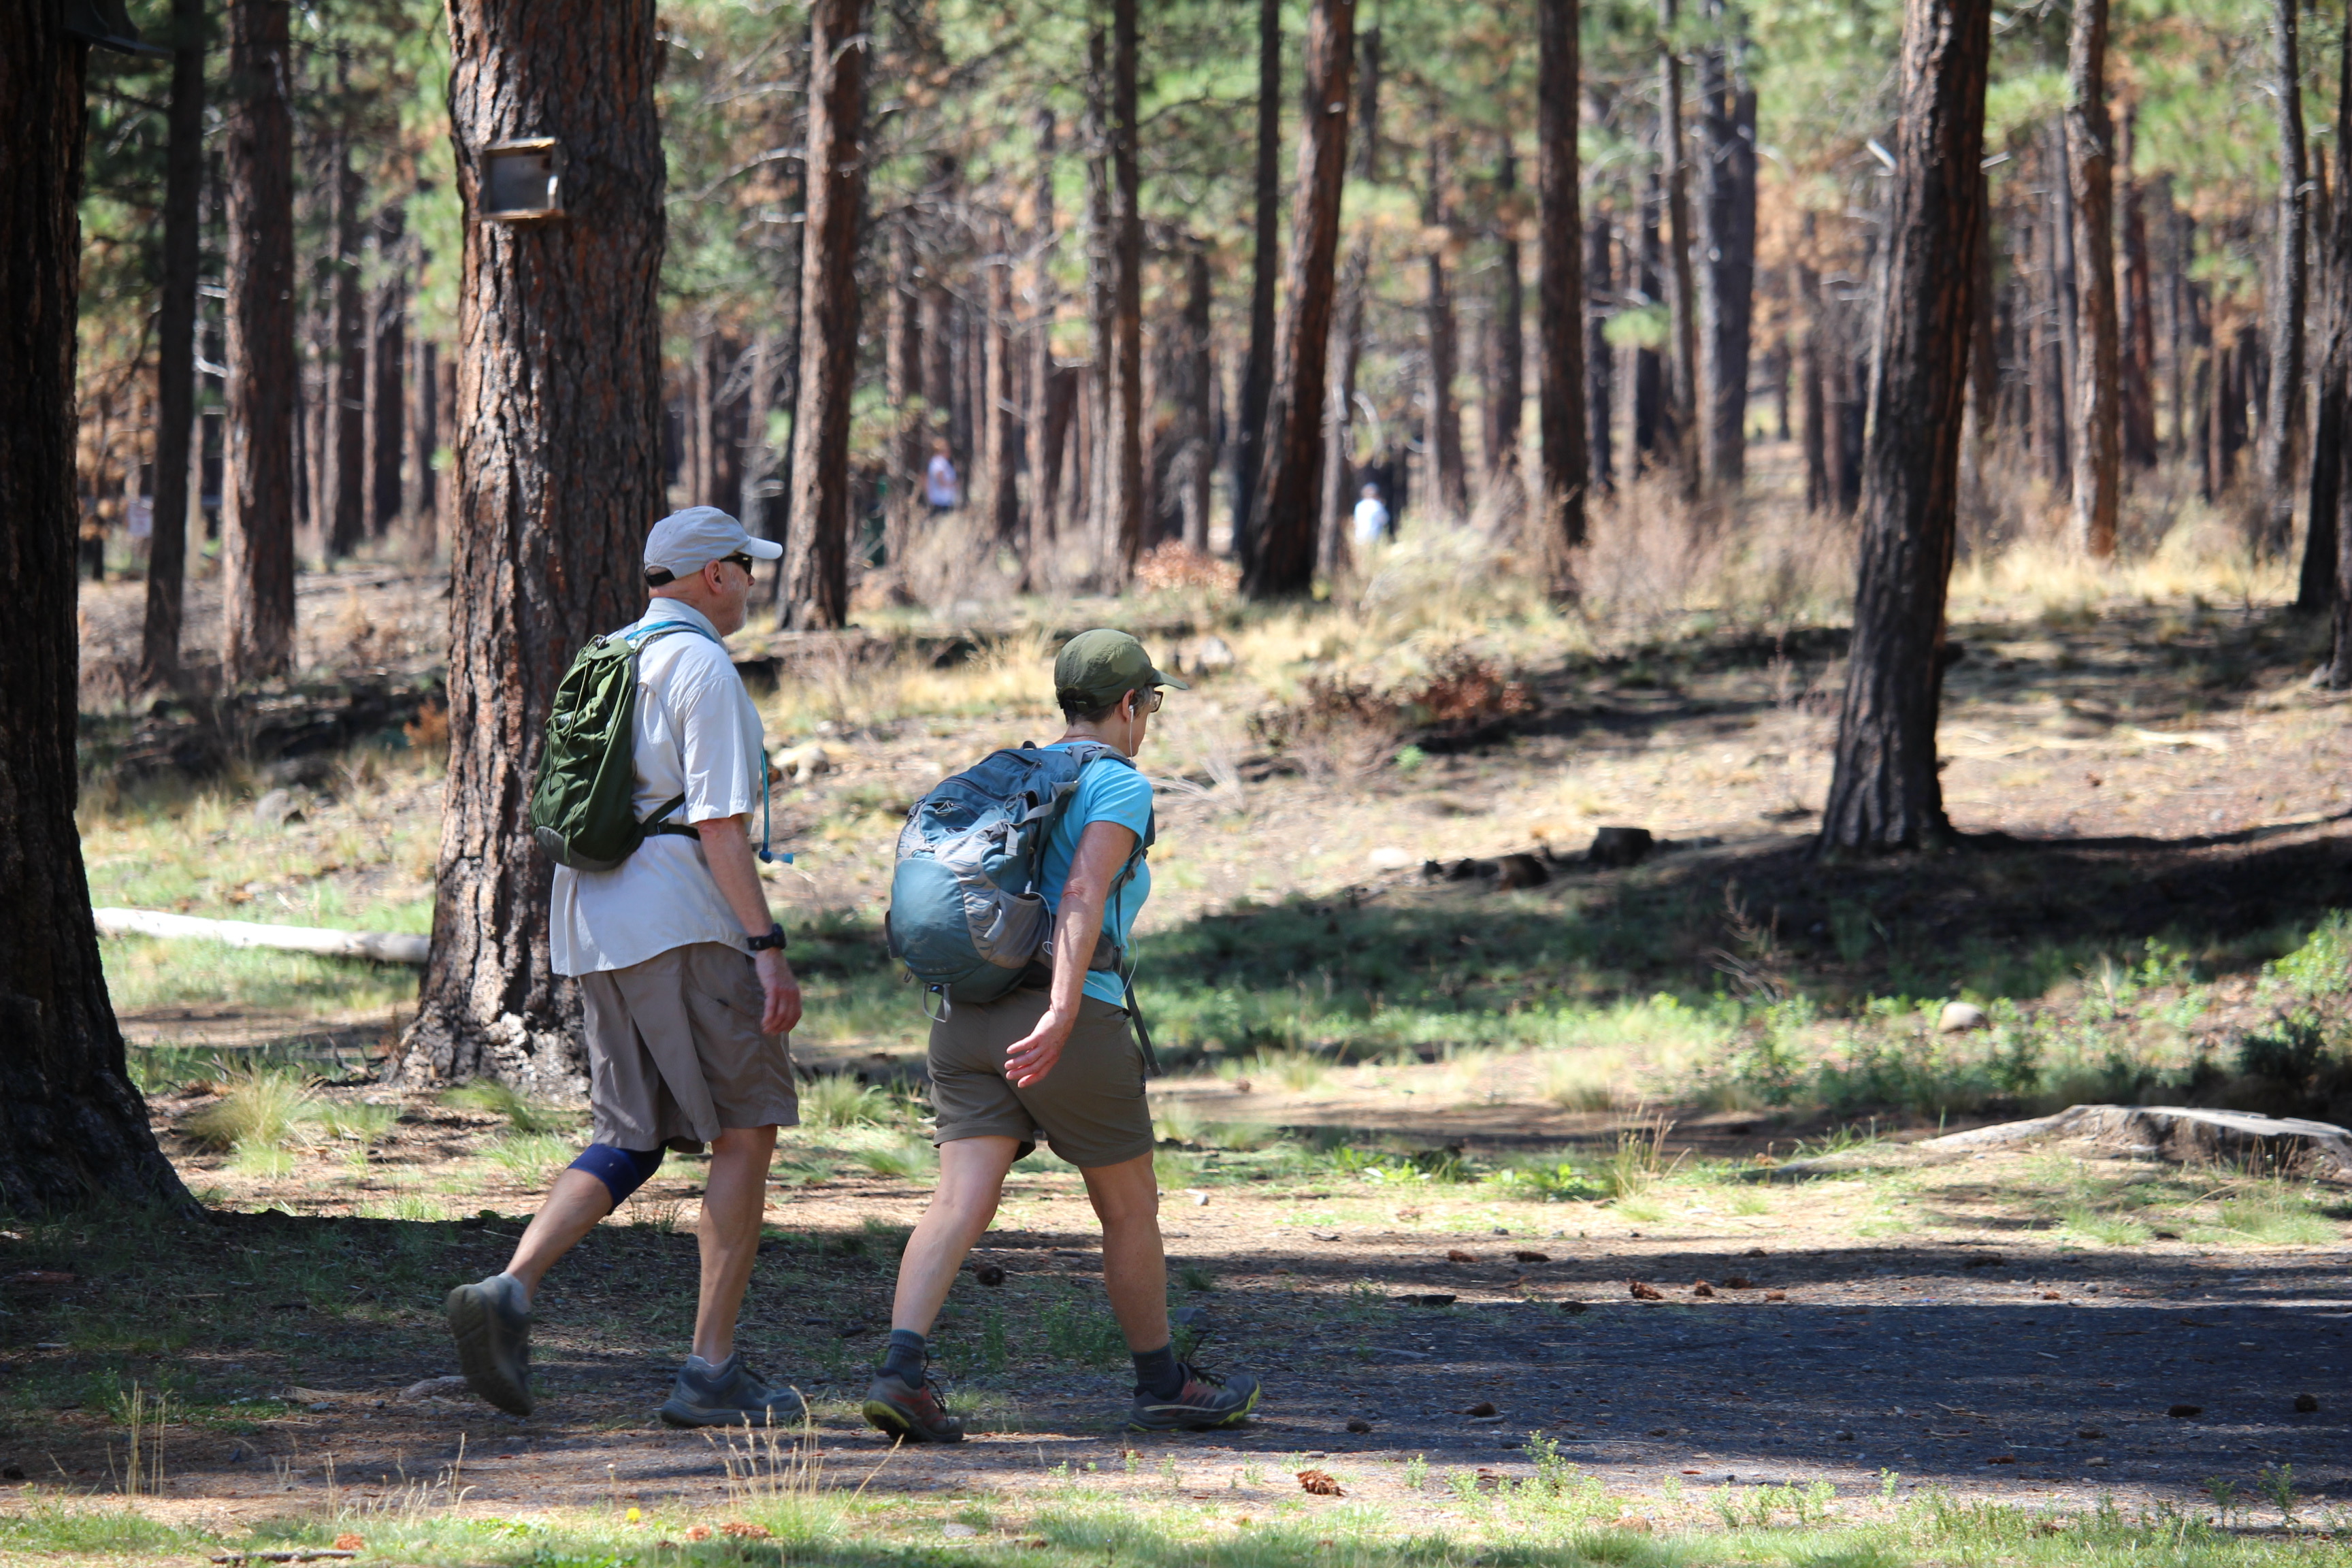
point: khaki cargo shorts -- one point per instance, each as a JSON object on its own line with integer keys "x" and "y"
{"x": 1090, "y": 1108}
{"x": 675, "y": 1051}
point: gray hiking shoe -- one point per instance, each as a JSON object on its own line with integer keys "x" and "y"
{"x": 491, "y": 1323}
{"x": 1205, "y": 1403}
{"x": 729, "y": 1394}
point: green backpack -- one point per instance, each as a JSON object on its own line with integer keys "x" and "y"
{"x": 581, "y": 804}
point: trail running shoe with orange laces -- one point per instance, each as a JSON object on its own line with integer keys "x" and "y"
{"x": 914, "y": 1412}
{"x": 1204, "y": 1403}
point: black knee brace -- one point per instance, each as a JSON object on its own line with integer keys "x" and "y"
{"x": 622, "y": 1171}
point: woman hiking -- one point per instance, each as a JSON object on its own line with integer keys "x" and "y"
{"x": 1057, "y": 1061}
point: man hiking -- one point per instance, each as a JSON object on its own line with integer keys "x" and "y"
{"x": 686, "y": 993}
{"x": 1055, "y": 1059}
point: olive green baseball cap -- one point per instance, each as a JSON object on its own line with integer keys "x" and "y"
{"x": 1097, "y": 669}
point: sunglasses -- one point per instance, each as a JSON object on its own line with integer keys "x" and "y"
{"x": 1159, "y": 695}
{"x": 745, "y": 561}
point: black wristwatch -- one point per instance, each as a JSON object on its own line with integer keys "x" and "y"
{"x": 773, "y": 940}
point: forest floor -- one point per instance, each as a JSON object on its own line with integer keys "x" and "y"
{"x": 1413, "y": 1140}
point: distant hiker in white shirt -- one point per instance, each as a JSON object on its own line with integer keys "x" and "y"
{"x": 686, "y": 998}
{"x": 940, "y": 489}
{"x": 1371, "y": 517}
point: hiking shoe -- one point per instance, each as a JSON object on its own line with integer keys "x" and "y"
{"x": 491, "y": 1323}
{"x": 911, "y": 1411}
{"x": 729, "y": 1394}
{"x": 1204, "y": 1403}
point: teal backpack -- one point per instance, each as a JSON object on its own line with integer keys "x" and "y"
{"x": 582, "y": 811}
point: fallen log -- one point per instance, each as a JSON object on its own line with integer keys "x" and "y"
{"x": 2185, "y": 1134}
{"x": 384, "y": 947}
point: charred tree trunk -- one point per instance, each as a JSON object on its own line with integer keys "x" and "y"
{"x": 1510, "y": 349}
{"x": 1886, "y": 794}
{"x": 388, "y": 358}
{"x": 1283, "y": 565}
{"x": 1812, "y": 405}
{"x": 816, "y": 560}
{"x": 175, "y": 348}
{"x": 1449, "y": 478}
{"x": 2323, "y": 541}
{"x": 1726, "y": 239}
{"x": 559, "y": 473}
{"x": 257, "y": 508}
{"x": 2049, "y": 420}
{"x": 1600, "y": 402}
{"x": 2282, "y": 413}
{"x": 1257, "y": 368}
{"x": 2090, "y": 169}
{"x": 1681, "y": 292}
{"x": 1123, "y": 397}
{"x": 425, "y": 423}
{"x": 345, "y": 504}
{"x": 72, "y": 1127}
{"x": 1558, "y": 513}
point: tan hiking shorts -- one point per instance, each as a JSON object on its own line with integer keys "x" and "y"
{"x": 675, "y": 1051}
{"x": 1090, "y": 1108}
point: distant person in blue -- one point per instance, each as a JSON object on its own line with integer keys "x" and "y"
{"x": 1372, "y": 518}
{"x": 1057, "y": 1060}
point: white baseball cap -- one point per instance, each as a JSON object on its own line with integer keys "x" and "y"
{"x": 684, "y": 543}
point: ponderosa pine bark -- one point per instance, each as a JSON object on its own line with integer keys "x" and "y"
{"x": 902, "y": 382}
{"x": 1449, "y": 477}
{"x": 1333, "y": 544}
{"x": 257, "y": 508}
{"x": 997, "y": 492}
{"x": 2325, "y": 539}
{"x": 1195, "y": 459}
{"x": 1884, "y": 794}
{"x": 1257, "y": 366}
{"x": 345, "y": 504}
{"x": 1123, "y": 397}
{"x": 1600, "y": 391}
{"x": 817, "y": 560}
{"x": 558, "y": 439}
{"x": 1511, "y": 347}
{"x": 388, "y": 364}
{"x": 1283, "y": 565}
{"x": 1557, "y": 518}
{"x": 72, "y": 1127}
{"x": 2135, "y": 314}
{"x": 2097, "y": 434}
{"x": 175, "y": 348}
{"x": 1044, "y": 455}
{"x": 2283, "y": 312}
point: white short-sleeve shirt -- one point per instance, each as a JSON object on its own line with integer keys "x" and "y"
{"x": 698, "y": 736}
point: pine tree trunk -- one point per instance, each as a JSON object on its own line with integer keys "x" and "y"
{"x": 1283, "y": 565}
{"x": 2282, "y": 413}
{"x": 345, "y": 506}
{"x": 818, "y": 556}
{"x": 902, "y": 370}
{"x": 1332, "y": 545}
{"x": 1257, "y": 367}
{"x": 72, "y": 1128}
{"x": 2097, "y": 434}
{"x": 2050, "y": 403}
{"x": 2135, "y": 316}
{"x": 1726, "y": 239}
{"x": 424, "y": 420}
{"x": 998, "y": 495}
{"x": 1448, "y": 476}
{"x": 388, "y": 357}
{"x": 1650, "y": 416}
{"x": 175, "y": 348}
{"x": 1123, "y": 398}
{"x": 257, "y": 508}
{"x": 2317, "y": 585}
{"x": 1557, "y": 518}
{"x": 558, "y": 438}
{"x": 1511, "y": 348}
{"x": 1812, "y": 407}
{"x": 1885, "y": 792}
{"x": 1598, "y": 400}
{"x": 1044, "y": 457}
{"x": 1681, "y": 296}
{"x": 1195, "y": 459}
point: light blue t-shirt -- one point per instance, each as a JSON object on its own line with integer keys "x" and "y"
{"x": 1108, "y": 791}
